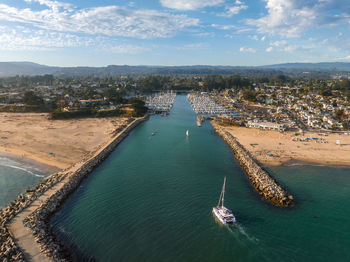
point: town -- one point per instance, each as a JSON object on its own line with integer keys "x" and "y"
{"x": 279, "y": 103}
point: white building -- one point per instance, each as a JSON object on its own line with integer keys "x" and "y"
{"x": 267, "y": 125}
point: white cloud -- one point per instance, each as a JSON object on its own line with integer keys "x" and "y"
{"x": 205, "y": 34}
{"x": 269, "y": 49}
{"x": 290, "y": 18}
{"x": 291, "y": 48}
{"x": 190, "y": 4}
{"x": 107, "y": 20}
{"x": 224, "y": 27}
{"x": 254, "y": 37}
{"x": 17, "y": 39}
{"x": 193, "y": 46}
{"x": 279, "y": 43}
{"x": 247, "y": 49}
{"x": 126, "y": 49}
{"x": 233, "y": 10}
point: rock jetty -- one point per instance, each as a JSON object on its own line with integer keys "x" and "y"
{"x": 39, "y": 220}
{"x": 9, "y": 251}
{"x": 260, "y": 179}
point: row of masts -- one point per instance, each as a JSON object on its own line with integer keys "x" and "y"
{"x": 203, "y": 104}
{"x": 160, "y": 102}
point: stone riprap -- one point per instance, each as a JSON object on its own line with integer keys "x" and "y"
{"x": 261, "y": 180}
{"x": 39, "y": 220}
{"x": 8, "y": 249}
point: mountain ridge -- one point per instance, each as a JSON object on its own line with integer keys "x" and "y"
{"x": 8, "y": 69}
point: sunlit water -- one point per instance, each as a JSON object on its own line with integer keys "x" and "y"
{"x": 151, "y": 200}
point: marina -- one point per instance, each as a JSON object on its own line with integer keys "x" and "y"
{"x": 160, "y": 103}
{"x": 204, "y": 105}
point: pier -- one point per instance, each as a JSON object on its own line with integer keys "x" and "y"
{"x": 260, "y": 179}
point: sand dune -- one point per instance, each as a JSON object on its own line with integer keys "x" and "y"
{"x": 57, "y": 143}
{"x": 261, "y": 143}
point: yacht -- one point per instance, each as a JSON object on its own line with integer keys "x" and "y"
{"x": 223, "y": 214}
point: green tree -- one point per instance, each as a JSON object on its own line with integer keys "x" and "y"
{"x": 249, "y": 95}
{"x": 30, "y": 98}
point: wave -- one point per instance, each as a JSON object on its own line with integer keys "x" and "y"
{"x": 23, "y": 169}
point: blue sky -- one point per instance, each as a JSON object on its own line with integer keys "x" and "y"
{"x": 174, "y": 32}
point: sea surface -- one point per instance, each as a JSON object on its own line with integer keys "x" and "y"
{"x": 151, "y": 200}
{"x": 15, "y": 178}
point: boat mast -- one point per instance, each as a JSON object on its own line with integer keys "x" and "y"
{"x": 221, "y": 199}
{"x": 223, "y": 192}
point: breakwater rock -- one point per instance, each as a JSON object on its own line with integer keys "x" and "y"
{"x": 261, "y": 180}
{"x": 39, "y": 220}
{"x": 9, "y": 251}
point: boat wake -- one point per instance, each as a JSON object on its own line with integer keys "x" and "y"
{"x": 238, "y": 231}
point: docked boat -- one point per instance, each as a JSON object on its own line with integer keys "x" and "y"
{"x": 223, "y": 214}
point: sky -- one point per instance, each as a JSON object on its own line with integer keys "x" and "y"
{"x": 174, "y": 32}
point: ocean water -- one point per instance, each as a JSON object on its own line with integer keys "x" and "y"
{"x": 15, "y": 178}
{"x": 151, "y": 200}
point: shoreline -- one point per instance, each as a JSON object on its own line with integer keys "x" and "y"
{"x": 295, "y": 162}
{"x": 304, "y": 162}
{"x": 56, "y": 143}
{"x": 49, "y": 169}
{"x": 26, "y": 229}
{"x": 273, "y": 148}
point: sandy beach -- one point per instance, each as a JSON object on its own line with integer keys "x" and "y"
{"x": 55, "y": 143}
{"x": 262, "y": 143}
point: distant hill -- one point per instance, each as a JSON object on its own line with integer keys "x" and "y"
{"x": 24, "y": 68}
{"x": 29, "y": 68}
{"x": 341, "y": 66}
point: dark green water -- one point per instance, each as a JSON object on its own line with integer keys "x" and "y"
{"x": 151, "y": 200}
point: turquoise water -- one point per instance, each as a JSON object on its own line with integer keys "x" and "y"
{"x": 15, "y": 178}
{"x": 151, "y": 200}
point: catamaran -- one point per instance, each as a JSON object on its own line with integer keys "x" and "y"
{"x": 223, "y": 214}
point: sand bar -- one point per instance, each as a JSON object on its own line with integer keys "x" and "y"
{"x": 262, "y": 143}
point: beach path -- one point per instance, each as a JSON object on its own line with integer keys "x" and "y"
{"x": 23, "y": 236}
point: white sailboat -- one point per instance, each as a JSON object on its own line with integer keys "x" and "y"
{"x": 187, "y": 133}
{"x": 223, "y": 214}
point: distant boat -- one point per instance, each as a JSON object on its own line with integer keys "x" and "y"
{"x": 154, "y": 133}
{"x": 223, "y": 214}
{"x": 187, "y": 133}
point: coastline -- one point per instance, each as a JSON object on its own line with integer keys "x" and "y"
{"x": 272, "y": 148}
{"x": 50, "y": 169}
{"x": 56, "y": 143}
{"x": 36, "y": 243}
